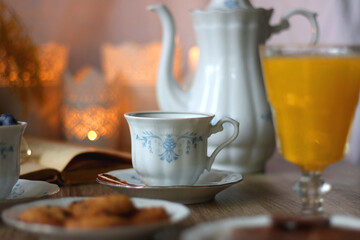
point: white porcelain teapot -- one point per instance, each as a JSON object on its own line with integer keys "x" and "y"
{"x": 228, "y": 80}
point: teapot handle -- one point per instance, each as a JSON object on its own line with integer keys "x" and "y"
{"x": 311, "y": 16}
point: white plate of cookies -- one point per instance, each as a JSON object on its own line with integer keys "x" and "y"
{"x": 104, "y": 217}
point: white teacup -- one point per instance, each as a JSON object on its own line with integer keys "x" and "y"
{"x": 10, "y": 142}
{"x": 170, "y": 148}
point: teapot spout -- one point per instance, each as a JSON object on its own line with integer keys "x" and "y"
{"x": 170, "y": 96}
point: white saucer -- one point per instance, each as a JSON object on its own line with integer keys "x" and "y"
{"x": 177, "y": 212}
{"x": 26, "y": 190}
{"x": 205, "y": 189}
{"x": 223, "y": 229}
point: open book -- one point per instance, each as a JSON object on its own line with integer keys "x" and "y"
{"x": 68, "y": 163}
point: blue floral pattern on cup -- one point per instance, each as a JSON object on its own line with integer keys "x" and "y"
{"x": 5, "y": 149}
{"x": 171, "y": 144}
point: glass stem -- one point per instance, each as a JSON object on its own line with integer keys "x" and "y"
{"x": 311, "y": 188}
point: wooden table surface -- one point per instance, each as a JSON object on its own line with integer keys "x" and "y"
{"x": 267, "y": 193}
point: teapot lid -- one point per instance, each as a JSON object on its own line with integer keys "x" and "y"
{"x": 229, "y": 5}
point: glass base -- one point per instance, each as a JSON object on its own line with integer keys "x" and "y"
{"x": 311, "y": 188}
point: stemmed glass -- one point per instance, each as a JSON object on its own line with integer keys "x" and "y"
{"x": 313, "y": 91}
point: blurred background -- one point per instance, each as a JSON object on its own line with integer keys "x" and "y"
{"x": 98, "y": 59}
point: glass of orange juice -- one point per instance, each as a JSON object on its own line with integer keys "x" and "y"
{"x": 313, "y": 91}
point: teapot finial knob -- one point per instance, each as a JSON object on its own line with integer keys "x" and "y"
{"x": 229, "y": 4}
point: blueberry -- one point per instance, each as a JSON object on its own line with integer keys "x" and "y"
{"x": 7, "y": 119}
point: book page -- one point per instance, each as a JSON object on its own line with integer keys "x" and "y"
{"x": 52, "y": 154}
{"x": 29, "y": 167}
{"x": 57, "y": 155}
{"x": 34, "y": 171}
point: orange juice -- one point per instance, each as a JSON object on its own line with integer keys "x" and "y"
{"x": 313, "y": 99}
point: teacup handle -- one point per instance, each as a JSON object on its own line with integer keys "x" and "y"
{"x": 311, "y": 16}
{"x": 218, "y": 127}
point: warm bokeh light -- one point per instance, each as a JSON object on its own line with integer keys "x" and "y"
{"x": 79, "y": 122}
{"x": 91, "y": 107}
{"x": 53, "y": 61}
{"x": 92, "y": 135}
{"x": 134, "y": 64}
{"x": 193, "y": 57}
